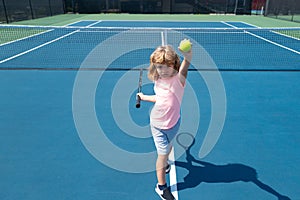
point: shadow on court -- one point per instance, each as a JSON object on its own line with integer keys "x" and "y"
{"x": 200, "y": 171}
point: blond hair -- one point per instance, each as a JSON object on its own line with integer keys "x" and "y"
{"x": 164, "y": 55}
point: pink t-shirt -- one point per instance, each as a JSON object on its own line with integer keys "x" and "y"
{"x": 166, "y": 110}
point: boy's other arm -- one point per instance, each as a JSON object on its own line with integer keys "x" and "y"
{"x": 183, "y": 70}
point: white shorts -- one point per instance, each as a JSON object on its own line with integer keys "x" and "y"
{"x": 163, "y": 138}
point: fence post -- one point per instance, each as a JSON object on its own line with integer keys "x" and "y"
{"x": 5, "y": 12}
{"x": 267, "y": 8}
{"x": 31, "y": 10}
{"x": 50, "y": 7}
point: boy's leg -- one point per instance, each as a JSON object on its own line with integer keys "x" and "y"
{"x": 161, "y": 188}
{"x": 160, "y": 169}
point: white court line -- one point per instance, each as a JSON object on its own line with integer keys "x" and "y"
{"x": 262, "y": 38}
{"x": 92, "y": 24}
{"x": 37, "y": 47}
{"x": 279, "y": 45}
{"x": 25, "y": 37}
{"x": 42, "y": 45}
{"x": 67, "y": 25}
{"x": 228, "y": 24}
{"x": 173, "y": 176}
{"x": 284, "y": 35}
{"x": 71, "y": 24}
{"x": 250, "y": 25}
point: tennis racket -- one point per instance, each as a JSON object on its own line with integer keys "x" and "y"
{"x": 185, "y": 140}
{"x": 138, "y": 98}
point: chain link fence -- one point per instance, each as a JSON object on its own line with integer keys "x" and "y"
{"x": 18, "y": 10}
{"x": 160, "y": 6}
{"x": 286, "y": 10}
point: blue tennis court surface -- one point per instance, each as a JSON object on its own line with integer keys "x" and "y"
{"x": 58, "y": 102}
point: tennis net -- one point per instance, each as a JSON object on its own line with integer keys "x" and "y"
{"x": 99, "y": 48}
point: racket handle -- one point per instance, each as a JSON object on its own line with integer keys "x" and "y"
{"x": 138, "y": 101}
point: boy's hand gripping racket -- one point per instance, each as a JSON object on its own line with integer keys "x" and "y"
{"x": 138, "y": 98}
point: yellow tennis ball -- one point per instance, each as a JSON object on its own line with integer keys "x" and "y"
{"x": 185, "y": 45}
